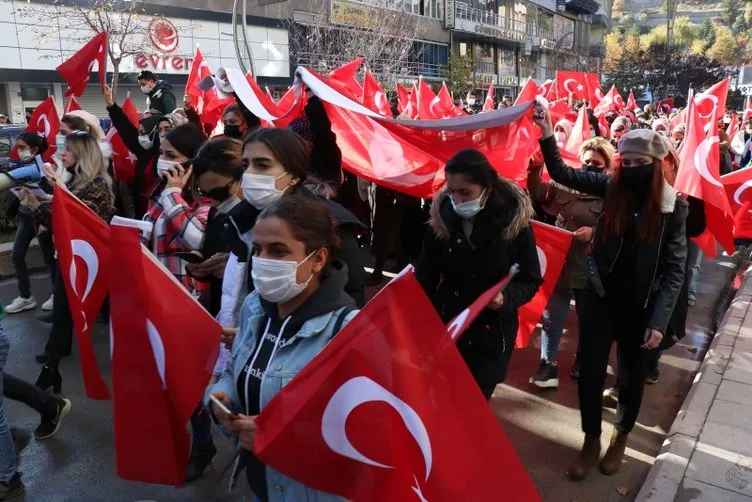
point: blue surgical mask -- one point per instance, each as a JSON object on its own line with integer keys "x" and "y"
{"x": 468, "y": 209}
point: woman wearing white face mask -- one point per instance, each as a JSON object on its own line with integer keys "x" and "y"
{"x": 298, "y": 306}
{"x": 29, "y": 145}
{"x": 481, "y": 227}
{"x": 178, "y": 215}
{"x": 562, "y": 131}
{"x": 277, "y": 166}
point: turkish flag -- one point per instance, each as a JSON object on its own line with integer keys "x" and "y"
{"x": 733, "y": 126}
{"x": 631, "y": 103}
{"x": 611, "y": 102}
{"x": 123, "y": 160}
{"x": 530, "y": 91}
{"x": 412, "y": 104}
{"x": 199, "y": 71}
{"x": 580, "y": 134}
{"x": 736, "y": 185}
{"x": 664, "y": 104}
{"x": 427, "y": 102}
{"x": 446, "y": 103}
{"x": 81, "y": 242}
{"x": 712, "y": 100}
{"x": 164, "y": 347}
{"x": 488, "y": 104}
{"x": 347, "y": 76}
{"x": 283, "y": 117}
{"x": 45, "y": 122}
{"x": 747, "y": 111}
{"x": 72, "y": 105}
{"x": 374, "y": 96}
{"x": 559, "y": 109}
{"x": 547, "y": 88}
{"x": 595, "y": 92}
{"x": 698, "y": 176}
{"x": 403, "y": 99}
{"x": 389, "y": 411}
{"x": 552, "y": 244}
{"x": 76, "y": 70}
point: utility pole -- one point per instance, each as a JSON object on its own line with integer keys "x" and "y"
{"x": 670, "y": 18}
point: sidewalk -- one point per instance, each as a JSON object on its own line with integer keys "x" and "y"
{"x": 707, "y": 455}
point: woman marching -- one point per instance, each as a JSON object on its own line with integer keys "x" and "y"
{"x": 636, "y": 269}
{"x": 481, "y": 227}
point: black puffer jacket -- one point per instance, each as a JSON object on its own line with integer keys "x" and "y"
{"x": 454, "y": 271}
{"x": 660, "y": 266}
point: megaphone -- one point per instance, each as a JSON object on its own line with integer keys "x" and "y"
{"x": 30, "y": 173}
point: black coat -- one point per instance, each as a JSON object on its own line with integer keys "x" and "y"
{"x": 659, "y": 273}
{"x": 162, "y": 98}
{"x": 455, "y": 273}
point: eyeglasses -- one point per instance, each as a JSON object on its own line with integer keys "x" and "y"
{"x": 214, "y": 190}
{"x": 79, "y": 133}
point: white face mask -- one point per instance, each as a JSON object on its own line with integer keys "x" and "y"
{"x": 261, "y": 189}
{"x": 25, "y": 155}
{"x": 276, "y": 280}
{"x": 145, "y": 89}
{"x": 468, "y": 209}
{"x": 470, "y": 101}
{"x": 60, "y": 142}
{"x": 561, "y": 137}
{"x": 145, "y": 141}
{"x": 164, "y": 165}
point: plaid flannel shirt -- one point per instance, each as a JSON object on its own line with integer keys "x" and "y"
{"x": 177, "y": 227}
{"x": 96, "y": 195}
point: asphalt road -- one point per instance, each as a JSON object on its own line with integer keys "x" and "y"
{"x": 78, "y": 463}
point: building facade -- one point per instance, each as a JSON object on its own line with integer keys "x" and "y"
{"x": 503, "y": 42}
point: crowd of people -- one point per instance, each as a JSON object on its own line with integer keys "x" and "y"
{"x": 265, "y": 228}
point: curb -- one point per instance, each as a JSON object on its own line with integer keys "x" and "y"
{"x": 668, "y": 471}
{"x": 34, "y": 259}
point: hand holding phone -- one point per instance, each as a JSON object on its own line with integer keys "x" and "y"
{"x": 221, "y": 411}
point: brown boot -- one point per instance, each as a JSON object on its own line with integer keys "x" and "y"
{"x": 588, "y": 457}
{"x": 611, "y": 462}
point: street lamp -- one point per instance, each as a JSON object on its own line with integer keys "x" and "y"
{"x": 240, "y": 36}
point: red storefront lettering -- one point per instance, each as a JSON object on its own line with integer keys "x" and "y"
{"x": 141, "y": 62}
{"x": 177, "y": 63}
{"x": 157, "y": 62}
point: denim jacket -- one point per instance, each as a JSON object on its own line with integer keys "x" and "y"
{"x": 288, "y": 361}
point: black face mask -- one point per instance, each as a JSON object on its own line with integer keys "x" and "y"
{"x": 591, "y": 169}
{"x": 637, "y": 176}
{"x": 233, "y": 131}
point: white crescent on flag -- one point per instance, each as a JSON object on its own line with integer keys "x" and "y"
{"x": 157, "y": 348}
{"x": 361, "y": 390}
{"x": 739, "y": 191}
{"x": 43, "y": 118}
{"x": 542, "y": 260}
{"x": 702, "y": 97}
{"x": 566, "y": 85}
{"x": 701, "y": 160}
{"x": 86, "y": 252}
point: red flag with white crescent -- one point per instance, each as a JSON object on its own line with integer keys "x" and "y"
{"x": 737, "y": 185}
{"x": 81, "y": 242}
{"x": 488, "y": 104}
{"x": 164, "y": 347}
{"x": 631, "y": 103}
{"x": 427, "y": 102}
{"x": 712, "y": 101}
{"x": 44, "y": 121}
{"x": 553, "y": 245}
{"x": 374, "y": 96}
{"x": 388, "y": 410}
{"x": 572, "y": 83}
{"x": 77, "y": 69}
{"x": 346, "y": 75}
{"x": 698, "y": 176}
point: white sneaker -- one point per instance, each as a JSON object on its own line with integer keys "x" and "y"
{"x": 20, "y": 304}
{"x": 49, "y": 304}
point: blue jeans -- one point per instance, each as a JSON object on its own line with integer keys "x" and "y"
{"x": 8, "y": 460}
{"x": 694, "y": 260}
{"x": 554, "y": 318}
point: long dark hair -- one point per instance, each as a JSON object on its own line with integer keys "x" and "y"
{"x": 474, "y": 166}
{"x": 620, "y": 204}
{"x": 34, "y": 140}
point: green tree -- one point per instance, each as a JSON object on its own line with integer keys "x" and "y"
{"x": 732, "y": 10}
{"x": 706, "y": 32}
{"x": 458, "y": 75}
{"x": 725, "y": 49}
{"x": 685, "y": 32}
{"x": 739, "y": 26}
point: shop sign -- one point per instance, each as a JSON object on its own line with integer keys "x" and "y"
{"x": 164, "y": 39}
{"x": 509, "y": 81}
{"x": 486, "y": 78}
{"x": 449, "y": 18}
{"x": 489, "y": 31}
{"x": 548, "y": 44}
{"x": 352, "y": 14}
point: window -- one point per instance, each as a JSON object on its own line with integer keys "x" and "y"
{"x": 433, "y": 8}
{"x": 463, "y": 49}
{"x": 507, "y": 61}
{"x": 430, "y": 58}
{"x": 34, "y": 93}
{"x": 546, "y": 20}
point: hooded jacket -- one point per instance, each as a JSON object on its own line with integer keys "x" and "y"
{"x": 161, "y": 98}
{"x": 454, "y": 271}
{"x": 306, "y": 332}
{"x": 660, "y": 266}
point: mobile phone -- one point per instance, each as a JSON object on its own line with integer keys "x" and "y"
{"x": 190, "y": 257}
{"x": 220, "y": 405}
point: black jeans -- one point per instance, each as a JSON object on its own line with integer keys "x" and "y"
{"x": 61, "y": 333}
{"x": 22, "y": 391}
{"x": 24, "y": 235}
{"x": 606, "y": 320}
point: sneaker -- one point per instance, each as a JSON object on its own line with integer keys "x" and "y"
{"x": 652, "y": 376}
{"x": 12, "y": 488}
{"x": 547, "y": 376}
{"x": 49, "y": 304}
{"x": 49, "y": 427}
{"x": 612, "y": 393}
{"x": 20, "y": 304}
{"x": 691, "y": 301}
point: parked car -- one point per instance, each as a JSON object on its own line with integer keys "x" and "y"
{"x": 8, "y": 135}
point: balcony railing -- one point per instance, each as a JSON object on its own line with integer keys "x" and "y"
{"x": 464, "y": 11}
{"x": 325, "y": 63}
{"x": 484, "y": 67}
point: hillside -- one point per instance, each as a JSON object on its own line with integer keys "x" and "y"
{"x": 652, "y": 13}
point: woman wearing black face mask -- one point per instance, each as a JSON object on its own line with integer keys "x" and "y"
{"x": 234, "y": 122}
{"x": 636, "y": 270}
{"x": 576, "y": 212}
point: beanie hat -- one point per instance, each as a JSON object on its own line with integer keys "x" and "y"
{"x": 620, "y": 123}
{"x": 644, "y": 142}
